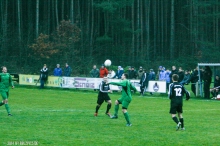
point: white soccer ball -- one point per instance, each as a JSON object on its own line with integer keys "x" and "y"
{"x": 108, "y": 62}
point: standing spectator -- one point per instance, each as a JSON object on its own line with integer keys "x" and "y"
{"x": 111, "y": 74}
{"x": 129, "y": 72}
{"x": 207, "y": 78}
{"x": 151, "y": 77}
{"x": 103, "y": 72}
{"x": 5, "y": 82}
{"x": 133, "y": 73}
{"x": 57, "y": 71}
{"x": 173, "y": 71}
{"x": 187, "y": 78}
{"x": 162, "y": 73}
{"x": 94, "y": 73}
{"x": 180, "y": 74}
{"x": 167, "y": 78}
{"x": 176, "y": 92}
{"x": 119, "y": 72}
{"x": 67, "y": 70}
{"x": 214, "y": 91}
{"x": 144, "y": 82}
{"x": 140, "y": 72}
{"x": 43, "y": 76}
{"x": 194, "y": 80}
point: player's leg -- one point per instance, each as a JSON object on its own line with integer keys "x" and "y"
{"x": 115, "y": 116}
{"x": 181, "y": 120}
{"x": 125, "y": 105}
{"x": 5, "y": 101}
{"x": 100, "y": 100}
{"x": 173, "y": 109}
{"x": 108, "y": 107}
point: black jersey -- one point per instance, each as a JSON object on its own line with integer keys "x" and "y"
{"x": 103, "y": 87}
{"x": 176, "y": 93}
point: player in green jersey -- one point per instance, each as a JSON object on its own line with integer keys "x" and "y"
{"x": 125, "y": 99}
{"x": 5, "y": 82}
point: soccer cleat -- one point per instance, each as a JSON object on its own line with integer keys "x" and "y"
{"x": 178, "y": 126}
{"x": 114, "y": 117}
{"x": 128, "y": 124}
{"x": 183, "y": 129}
{"x": 9, "y": 114}
{"x": 108, "y": 114}
{"x": 95, "y": 114}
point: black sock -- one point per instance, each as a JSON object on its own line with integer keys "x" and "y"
{"x": 175, "y": 120}
{"x": 108, "y": 107}
{"x": 182, "y": 123}
{"x": 97, "y": 108}
{"x": 2, "y": 103}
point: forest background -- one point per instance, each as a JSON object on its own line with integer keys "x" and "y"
{"x": 146, "y": 33}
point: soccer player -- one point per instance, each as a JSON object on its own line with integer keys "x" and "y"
{"x": 5, "y": 82}
{"x": 176, "y": 92}
{"x": 125, "y": 98}
{"x": 103, "y": 96}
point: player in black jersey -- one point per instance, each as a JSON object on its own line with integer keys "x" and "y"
{"x": 103, "y": 96}
{"x": 176, "y": 92}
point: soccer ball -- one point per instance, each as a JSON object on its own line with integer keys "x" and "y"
{"x": 108, "y": 62}
{"x": 218, "y": 97}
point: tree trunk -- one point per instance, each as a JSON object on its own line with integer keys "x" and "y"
{"x": 172, "y": 23}
{"x": 71, "y": 12}
{"x": 37, "y": 18}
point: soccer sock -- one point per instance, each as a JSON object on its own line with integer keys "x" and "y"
{"x": 116, "y": 109}
{"x": 127, "y": 117}
{"x": 108, "y": 107}
{"x": 182, "y": 123}
{"x": 97, "y": 108}
{"x": 7, "y": 108}
{"x": 175, "y": 120}
{"x": 2, "y": 103}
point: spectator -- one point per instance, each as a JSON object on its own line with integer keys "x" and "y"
{"x": 140, "y": 72}
{"x": 94, "y": 73}
{"x": 133, "y": 73}
{"x": 167, "y": 78}
{"x": 111, "y": 74}
{"x": 57, "y": 71}
{"x": 173, "y": 71}
{"x": 129, "y": 72}
{"x": 43, "y": 76}
{"x": 207, "y": 78}
{"x": 151, "y": 77}
{"x": 144, "y": 82}
{"x": 67, "y": 70}
{"x": 187, "y": 78}
{"x": 119, "y": 72}
{"x": 180, "y": 74}
{"x": 194, "y": 79}
{"x": 162, "y": 73}
{"x": 103, "y": 72}
{"x": 214, "y": 91}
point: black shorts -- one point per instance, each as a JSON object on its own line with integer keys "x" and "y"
{"x": 102, "y": 98}
{"x": 176, "y": 108}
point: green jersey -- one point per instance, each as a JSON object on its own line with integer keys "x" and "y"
{"x": 5, "y": 81}
{"x": 126, "y": 89}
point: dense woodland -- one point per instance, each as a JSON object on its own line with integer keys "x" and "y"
{"x": 128, "y": 32}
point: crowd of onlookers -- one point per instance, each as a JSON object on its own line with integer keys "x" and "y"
{"x": 162, "y": 74}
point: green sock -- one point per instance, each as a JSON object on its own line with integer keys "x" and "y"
{"x": 7, "y": 108}
{"x": 127, "y": 118}
{"x": 1, "y": 103}
{"x": 116, "y": 109}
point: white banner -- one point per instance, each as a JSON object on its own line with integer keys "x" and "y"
{"x": 93, "y": 83}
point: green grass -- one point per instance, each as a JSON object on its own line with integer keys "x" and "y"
{"x": 61, "y": 117}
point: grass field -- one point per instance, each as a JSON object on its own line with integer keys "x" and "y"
{"x": 61, "y": 117}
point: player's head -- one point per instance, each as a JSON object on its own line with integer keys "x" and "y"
{"x": 105, "y": 79}
{"x": 4, "y": 69}
{"x": 124, "y": 76}
{"x": 175, "y": 77}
